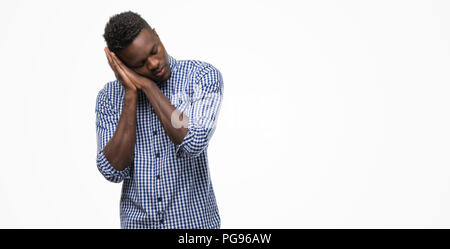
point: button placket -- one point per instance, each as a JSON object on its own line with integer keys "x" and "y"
{"x": 157, "y": 154}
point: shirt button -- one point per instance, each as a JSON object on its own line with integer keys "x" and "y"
{"x": 157, "y": 177}
{"x": 161, "y": 221}
{"x": 154, "y": 133}
{"x": 159, "y": 199}
{"x": 157, "y": 154}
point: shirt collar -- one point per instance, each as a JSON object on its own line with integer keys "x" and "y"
{"x": 172, "y": 63}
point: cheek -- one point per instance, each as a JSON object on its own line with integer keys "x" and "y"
{"x": 141, "y": 71}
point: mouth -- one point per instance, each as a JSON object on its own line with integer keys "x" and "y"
{"x": 161, "y": 72}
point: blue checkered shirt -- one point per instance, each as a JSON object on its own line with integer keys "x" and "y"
{"x": 167, "y": 185}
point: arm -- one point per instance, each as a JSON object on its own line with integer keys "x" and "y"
{"x": 192, "y": 133}
{"x": 116, "y": 142}
{"x": 115, "y": 137}
{"x": 175, "y": 128}
{"x": 120, "y": 149}
{"x": 203, "y": 112}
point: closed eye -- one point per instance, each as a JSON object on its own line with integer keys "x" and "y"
{"x": 152, "y": 52}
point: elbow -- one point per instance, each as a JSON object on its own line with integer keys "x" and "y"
{"x": 114, "y": 178}
{"x": 109, "y": 172}
{"x": 192, "y": 149}
{"x": 194, "y": 144}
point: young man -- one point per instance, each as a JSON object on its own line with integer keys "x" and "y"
{"x": 153, "y": 127}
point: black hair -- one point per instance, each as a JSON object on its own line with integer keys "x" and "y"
{"x": 122, "y": 28}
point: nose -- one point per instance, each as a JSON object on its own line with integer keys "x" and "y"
{"x": 152, "y": 64}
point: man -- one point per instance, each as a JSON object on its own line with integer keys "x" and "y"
{"x": 153, "y": 127}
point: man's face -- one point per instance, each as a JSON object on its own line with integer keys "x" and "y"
{"x": 147, "y": 56}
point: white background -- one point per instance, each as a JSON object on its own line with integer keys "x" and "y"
{"x": 335, "y": 113}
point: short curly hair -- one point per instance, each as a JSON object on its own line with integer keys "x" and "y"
{"x": 122, "y": 28}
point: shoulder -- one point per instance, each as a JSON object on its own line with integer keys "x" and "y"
{"x": 112, "y": 88}
{"x": 203, "y": 73}
{"x": 110, "y": 93}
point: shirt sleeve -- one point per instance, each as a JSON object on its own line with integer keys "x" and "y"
{"x": 202, "y": 112}
{"x": 106, "y": 122}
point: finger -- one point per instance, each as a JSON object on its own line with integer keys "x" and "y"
{"x": 128, "y": 72}
{"x": 124, "y": 72}
{"x": 113, "y": 61}
{"x": 109, "y": 60}
{"x": 107, "y": 53}
{"x": 117, "y": 71}
{"x": 108, "y": 56}
{"x": 120, "y": 71}
{"x": 118, "y": 61}
{"x": 115, "y": 67}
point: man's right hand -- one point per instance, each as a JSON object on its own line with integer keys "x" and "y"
{"x": 121, "y": 76}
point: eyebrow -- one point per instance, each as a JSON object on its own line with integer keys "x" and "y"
{"x": 137, "y": 63}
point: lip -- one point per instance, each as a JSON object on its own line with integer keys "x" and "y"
{"x": 160, "y": 73}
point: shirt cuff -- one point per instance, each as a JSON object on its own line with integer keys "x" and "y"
{"x": 181, "y": 150}
{"x": 108, "y": 171}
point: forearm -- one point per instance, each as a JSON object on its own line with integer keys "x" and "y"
{"x": 120, "y": 148}
{"x": 164, "y": 110}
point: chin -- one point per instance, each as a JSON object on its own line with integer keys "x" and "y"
{"x": 159, "y": 82}
{"x": 165, "y": 78}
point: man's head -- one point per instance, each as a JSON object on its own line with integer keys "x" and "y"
{"x": 131, "y": 38}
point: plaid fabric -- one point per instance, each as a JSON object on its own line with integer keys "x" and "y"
{"x": 167, "y": 185}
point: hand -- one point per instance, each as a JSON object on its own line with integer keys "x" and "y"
{"x": 120, "y": 74}
{"x": 129, "y": 79}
